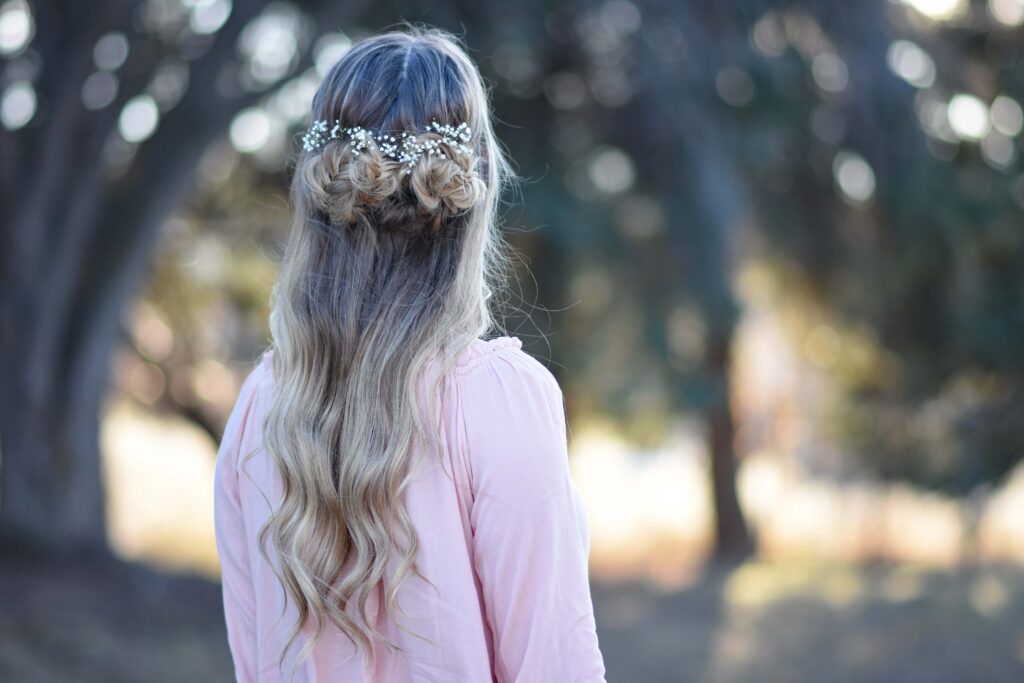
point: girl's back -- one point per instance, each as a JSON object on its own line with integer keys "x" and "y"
{"x": 504, "y": 542}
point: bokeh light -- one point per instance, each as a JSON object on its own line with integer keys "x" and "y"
{"x": 612, "y": 171}
{"x": 1007, "y": 12}
{"x": 18, "y": 105}
{"x": 270, "y": 43}
{"x": 854, "y": 177}
{"x": 908, "y": 61}
{"x": 939, "y": 10}
{"x": 1007, "y": 116}
{"x": 565, "y": 90}
{"x": 208, "y": 16}
{"x": 99, "y": 90}
{"x": 735, "y": 86}
{"x": 111, "y": 51}
{"x": 138, "y": 119}
{"x": 329, "y": 48}
{"x": 250, "y": 130}
{"x": 16, "y": 26}
{"x": 968, "y": 117}
{"x": 830, "y": 72}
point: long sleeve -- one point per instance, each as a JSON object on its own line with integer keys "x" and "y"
{"x": 232, "y": 540}
{"x": 530, "y": 538}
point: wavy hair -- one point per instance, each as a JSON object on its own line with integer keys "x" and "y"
{"x": 383, "y": 272}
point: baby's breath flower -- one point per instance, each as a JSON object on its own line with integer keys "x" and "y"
{"x": 406, "y": 150}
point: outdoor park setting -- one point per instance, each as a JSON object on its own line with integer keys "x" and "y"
{"x": 773, "y": 252}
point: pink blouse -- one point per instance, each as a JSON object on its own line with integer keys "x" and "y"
{"x": 506, "y": 544}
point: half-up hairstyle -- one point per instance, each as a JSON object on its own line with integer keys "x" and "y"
{"x": 384, "y": 270}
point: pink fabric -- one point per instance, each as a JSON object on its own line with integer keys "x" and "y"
{"x": 506, "y": 542}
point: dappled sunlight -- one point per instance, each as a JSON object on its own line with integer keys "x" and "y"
{"x": 903, "y": 584}
{"x": 758, "y": 584}
{"x": 650, "y": 512}
{"x": 1000, "y": 534}
{"x": 158, "y": 474}
{"x": 650, "y": 507}
{"x": 809, "y": 620}
{"x": 651, "y": 515}
{"x": 989, "y": 595}
{"x": 851, "y": 521}
{"x": 773, "y": 614}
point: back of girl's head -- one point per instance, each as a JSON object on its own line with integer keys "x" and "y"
{"x": 392, "y": 254}
{"x": 422, "y": 231}
{"x": 395, "y": 84}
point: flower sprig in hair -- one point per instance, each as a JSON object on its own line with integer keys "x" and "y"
{"x": 407, "y": 150}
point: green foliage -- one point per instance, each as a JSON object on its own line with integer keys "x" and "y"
{"x": 664, "y": 145}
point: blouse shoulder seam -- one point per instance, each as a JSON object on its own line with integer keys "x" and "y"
{"x": 510, "y": 349}
{"x": 489, "y": 348}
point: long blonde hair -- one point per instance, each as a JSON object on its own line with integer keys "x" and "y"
{"x": 383, "y": 271}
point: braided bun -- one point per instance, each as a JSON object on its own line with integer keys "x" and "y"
{"x": 443, "y": 183}
{"x": 345, "y": 186}
{"x": 359, "y": 183}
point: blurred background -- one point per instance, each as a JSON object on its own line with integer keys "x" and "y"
{"x": 773, "y": 251}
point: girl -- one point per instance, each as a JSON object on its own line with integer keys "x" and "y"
{"x": 392, "y": 491}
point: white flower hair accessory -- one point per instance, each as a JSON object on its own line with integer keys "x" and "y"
{"x": 407, "y": 150}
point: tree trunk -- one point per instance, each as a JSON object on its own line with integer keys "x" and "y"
{"x": 79, "y": 249}
{"x": 706, "y": 208}
{"x": 732, "y": 536}
{"x": 50, "y": 485}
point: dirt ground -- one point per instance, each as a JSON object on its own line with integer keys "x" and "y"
{"x": 72, "y": 619}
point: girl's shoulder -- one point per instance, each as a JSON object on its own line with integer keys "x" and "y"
{"x": 501, "y": 360}
{"x": 480, "y": 351}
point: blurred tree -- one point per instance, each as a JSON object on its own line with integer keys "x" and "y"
{"x": 648, "y": 214}
{"x": 885, "y": 167}
{"x": 129, "y": 97}
{"x": 868, "y": 152}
